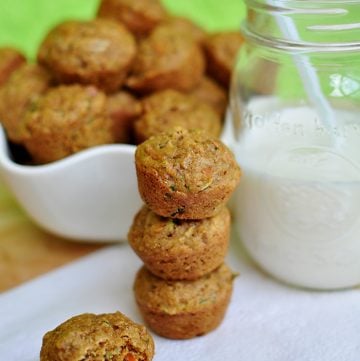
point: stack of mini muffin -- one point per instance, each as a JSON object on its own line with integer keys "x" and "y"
{"x": 185, "y": 179}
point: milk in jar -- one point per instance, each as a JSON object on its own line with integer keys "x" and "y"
{"x": 298, "y": 205}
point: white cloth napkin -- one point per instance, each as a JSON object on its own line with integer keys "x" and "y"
{"x": 266, "y": 321}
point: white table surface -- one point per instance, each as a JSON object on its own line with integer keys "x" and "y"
{"x": 266, "y": 321}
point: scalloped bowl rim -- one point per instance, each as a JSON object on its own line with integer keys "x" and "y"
{"x": 80, "y": 156}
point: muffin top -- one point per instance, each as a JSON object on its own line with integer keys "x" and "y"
{"x": 20, "y": 91}
{"x": 186, "y": 27}
{"x": 163, "y": 50}
{"x": 10, "y": 59}
{"x": 224, "y": 46}
{"x": 90, "y": 52}
{"x": 97, "y": 337}
{"x": 176, "y": 297}
{"x": 168, "y": 237}
{"x": 24, "y": 85}
{"x": 211, "y": 93}
{"x": 167, "y": 109}
{"x": 188, "y": 161}
{"x": 167, "y": 59}
{"x": 220, "y": 50}
{"x": 67, "y": 106}
{"x": 65, "y": 120}
{"x": 139, "y": 16}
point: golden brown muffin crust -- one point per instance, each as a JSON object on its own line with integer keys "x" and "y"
{"x": 221, "y": 50}
{"x": 123, "y": 108}
{"x": 10, "y": 60}
{"x": 183, "y": 309}
{"x": 209, "y": 92}
{"x": 167, "y": 59}
{"x": 186, "y": 27}
{"x": 164, "y": 110}
{"x": 185, "y": 174}
{"x": 22, "y": 89}
{"x": 179, "y": 250}
{"x": 66, "y": 120}
{"x": 98, "y": 52}
{"x": 139, "y": 16}
{"x": 104, "y": 337}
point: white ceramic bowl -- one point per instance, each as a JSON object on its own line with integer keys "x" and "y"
{"x": 89, "y": 196}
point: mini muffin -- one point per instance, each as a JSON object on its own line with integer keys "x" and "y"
{"x": 209, "y": 92}
{"x": 104, "y": 337}
{"x": 139, "y": 16}
{"x": 10, "y": 60}
{"x": 66, "y": 120}
{"x": 180, "y": 250}
{"x": 98, "y": 52}
{"x": 186, "y": 27}
{"x": 164, "y": 110}
{"x": 23, "y": 87}
{"x": 183, "y": 309}
{"x": 185, "y": 174}
{"x": 221, "y": 50}
{"x": 123, "y": 108}
{"x": 167, "y": 59}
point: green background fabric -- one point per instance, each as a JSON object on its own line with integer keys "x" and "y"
{"x": 23, "y": 23}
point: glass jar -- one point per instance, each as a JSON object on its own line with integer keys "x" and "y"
{"x": 295, "y": 130}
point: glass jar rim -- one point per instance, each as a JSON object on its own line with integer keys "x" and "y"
{"x": 301, "y": 3}
{"x": 319, "y": 25}
{"x": 301, "y": 47}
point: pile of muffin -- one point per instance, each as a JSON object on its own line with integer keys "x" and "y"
{"x": 185, "y": 178}
{"x": 132, "y": 72}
